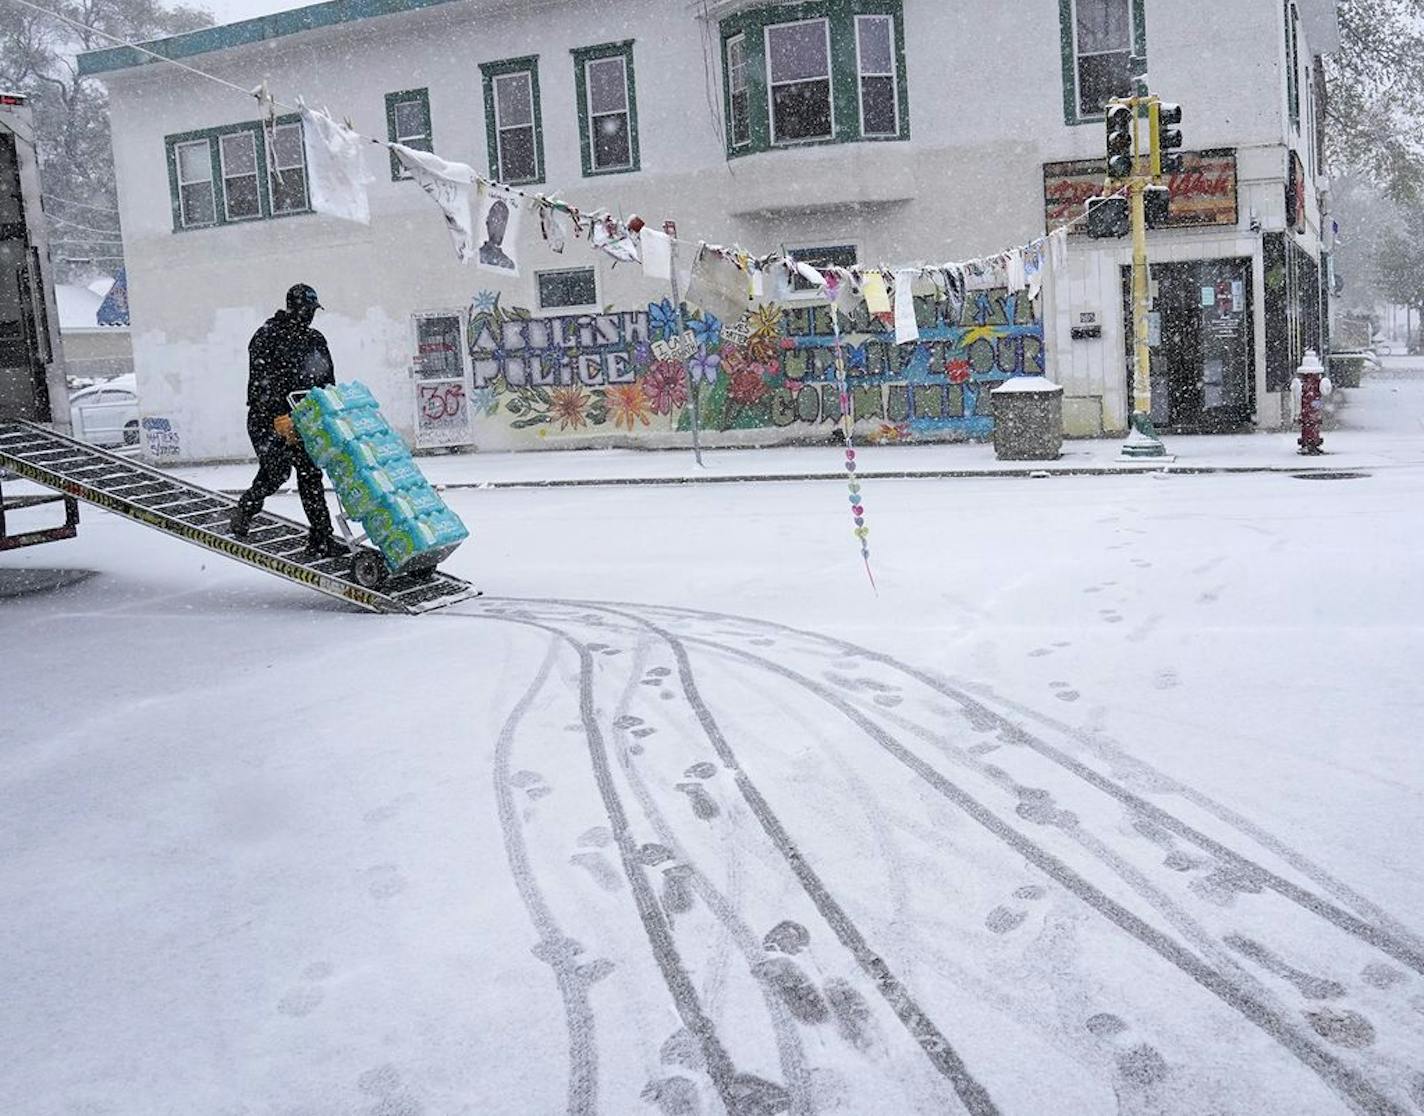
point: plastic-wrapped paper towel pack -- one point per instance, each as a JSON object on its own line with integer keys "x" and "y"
{"x": 375, "y": 477}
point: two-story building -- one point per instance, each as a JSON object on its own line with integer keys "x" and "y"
{"x": 862, "y": 132}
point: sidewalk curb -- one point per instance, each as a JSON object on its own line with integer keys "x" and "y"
{"x": 1126, "y": 469}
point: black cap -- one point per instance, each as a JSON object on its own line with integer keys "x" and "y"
{"x": 301, "y": 296}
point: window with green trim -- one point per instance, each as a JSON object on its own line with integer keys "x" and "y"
{"x": 824, "y": 71}
{"x": 1101, "y": 39}
{"x": 408, "y": 124}
{"x": 1293, "y": 64}
{"x": 607, "y": 108}
{"x": 513, "y": 125}
{"x": 237, "y": 173}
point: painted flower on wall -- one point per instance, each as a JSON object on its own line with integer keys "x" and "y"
{"x": 666, "y": 386}
{"x": 764, "y": 346}
{"x": 707, "y": 329}
{"x": 957, "y": 371}
{"x": 662, "y": 319}
{"x": 627, "y": 405}
{"x": 569, "y": 405}
{"x": 734, "y": 359}
{"x": 746, "y": 387}
{"x": 704, "y": 366}
{"x": 765, "y": 321}
{"x": 485, "y": 302}
{"x": 483, "y": 401}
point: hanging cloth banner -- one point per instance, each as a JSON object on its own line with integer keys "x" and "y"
{"x": 877, "y": 298}
{"x": 906, "y": 328}
{"x": 1018, "y": 280}
{"x": 450, "y": 185}
{"x": 336, "y": 167}
{"x": 554, "y": 227}
{"x": 718, "y": 286}
{"x": 657, "y": 253}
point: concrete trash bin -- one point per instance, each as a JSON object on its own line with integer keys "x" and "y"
{"x": 1028, "y": 419}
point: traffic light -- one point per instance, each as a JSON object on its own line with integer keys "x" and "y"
{"x": 1119, "y": 139}
{"x": 1109, "y": 218}
{"x": 1157, "y": 205}
{"x": 1166, "y": 139}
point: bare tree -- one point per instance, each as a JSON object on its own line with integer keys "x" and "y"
{"x": 37, "y": 57}
{"x": 1375, "y": 86}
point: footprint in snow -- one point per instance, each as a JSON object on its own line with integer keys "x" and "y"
{"x": 1344, "y": 1028}
{"x": 597, "y": 865}
{"x": 786, "y": 937}
{"x": 794, "y": 988}
{"x": 674, "y": 1096}
{"x": 677, "y": 889}
{"x": 702, "y": 804}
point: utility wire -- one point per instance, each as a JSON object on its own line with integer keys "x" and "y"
{"x": 76, "y": 225}
{"x": 81, "y": 205}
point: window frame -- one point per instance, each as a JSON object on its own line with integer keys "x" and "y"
{"x": 567, "y": 307}
{"x": 274, "y": 170}
{"x": 489, "y": 71}
{"x": 1293, "y": 64}
{"x": 177, "y": 183}
{"x": 393, "y": 102}
{"x": 861, "y": 75}
{"x": 740, "y": 38}
{"x": 255, "y": 174}
{"x": 213, "y": 138}
{"x": 841, "y": 15}
{"x": 582, "y": 57}
{"x": 829, "y": 79}
{"x": 1068, "y": 27}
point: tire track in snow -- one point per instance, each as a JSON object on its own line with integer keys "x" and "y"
{"x": 555, "y": 948}
{"x": 1387, "y": 934}
{"x": 936, "y": 1047}
{"x": 1356, "y": 1090}
{"x": 684, "y": 996}
{"x": 1360, "y": 1093}
{"x": 790, "y": 1053}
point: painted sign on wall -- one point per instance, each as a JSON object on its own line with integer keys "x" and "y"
{"x": 1203, "y": 193}
{"x": 161, "y": 438}
{"x": 629, "y": 371}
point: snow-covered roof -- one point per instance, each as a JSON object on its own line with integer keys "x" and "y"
{"x": 78, "y": 307}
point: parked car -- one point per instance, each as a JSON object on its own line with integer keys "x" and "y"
{"x": 107, "y": 414}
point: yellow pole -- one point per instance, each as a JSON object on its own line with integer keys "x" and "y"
{"x": 1144, "y": 165}
{"x": 1142, "y": 370}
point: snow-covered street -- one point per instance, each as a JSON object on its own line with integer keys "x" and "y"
{"x": 1110, "y": 801}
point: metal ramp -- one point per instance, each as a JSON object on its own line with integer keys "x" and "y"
{"x": 200, "y": 516}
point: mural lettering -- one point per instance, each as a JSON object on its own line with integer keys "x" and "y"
{"x": 630, "y": 370}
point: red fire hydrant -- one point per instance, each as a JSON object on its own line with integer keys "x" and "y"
{"x": 1308, "y": 391}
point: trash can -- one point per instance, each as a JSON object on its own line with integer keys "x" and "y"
{"x": 1028, "y": 419}
{"x": 1347, "y": 369}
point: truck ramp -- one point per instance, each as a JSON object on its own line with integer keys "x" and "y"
{"x": 200, "y": 516}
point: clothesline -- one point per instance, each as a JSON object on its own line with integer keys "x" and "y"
{"x": 612, "y": 228}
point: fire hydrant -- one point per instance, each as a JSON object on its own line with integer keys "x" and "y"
{"x": 1308, "y": 391}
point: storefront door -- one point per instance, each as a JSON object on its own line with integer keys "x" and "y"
{"x": 1202, "y": 345}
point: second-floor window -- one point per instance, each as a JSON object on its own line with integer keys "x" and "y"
{"x": 408, "y": 124}
{"x": 875, "y": 64}
{"x": 238, "y": 172}
{"x": 740, "y": 123}
{"x": 835, "y": 74}
{"x": 1103, "y": 47}
{"x": 798, "y": 66}
{"x": 608, "y": 108}
{"x": 512, "y": 120}
{"x": 288, "y": 170}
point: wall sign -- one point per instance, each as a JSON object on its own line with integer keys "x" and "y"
{"x": 1204, "y": 193}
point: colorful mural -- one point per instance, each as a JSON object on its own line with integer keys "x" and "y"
{"x": 628, "y": 371}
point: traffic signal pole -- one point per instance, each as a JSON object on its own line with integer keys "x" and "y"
{"x": 1142, "y": 438}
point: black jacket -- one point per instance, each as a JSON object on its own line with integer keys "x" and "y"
{"x": 283, "y": 356}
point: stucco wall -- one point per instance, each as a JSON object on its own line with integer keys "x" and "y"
{"x": 986, "y": 112}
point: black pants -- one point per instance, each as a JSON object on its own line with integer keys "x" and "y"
{"x": 275, "y": 461}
